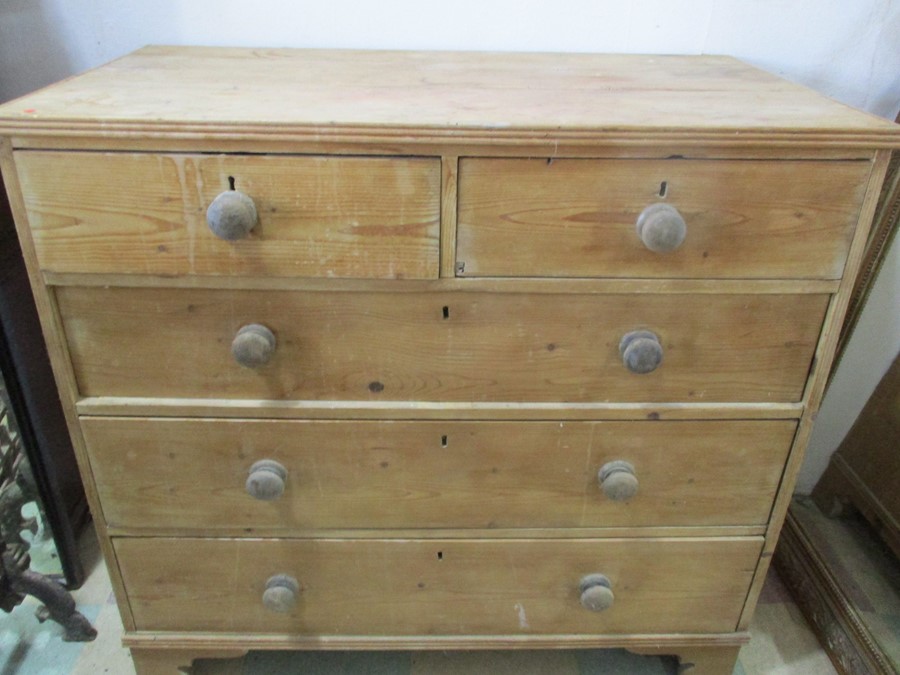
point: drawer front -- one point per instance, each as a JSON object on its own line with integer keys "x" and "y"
{"x": 317, "y": 216}
{"x": 490, "y": 347}
{"x": 577, "y": 218}
{"x": 160, "y": 473}
{"x": 438, "y": 587}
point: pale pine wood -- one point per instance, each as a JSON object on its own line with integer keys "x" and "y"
{"x": 492, "y": 347}
{"x": 388, "y": 410}
{"x": 460, "y": 96}
{"x": 576, "y": 218}
{"x": 459, "y": 285}
{"x": 157, "y": 661}
{"x": 225, "y": 641}
{"x": 745, "y": 344}
{"x": 418, "y": 533}
{"x": 240, "y": 140}
{"x": 124, "y": 213}
{"x": 456, "y": 587}
{"x": 383, "y": 475}
{"x": 57, "y": 350}
{"x": 818, "y": 378}
{"x": 449, "y": 188}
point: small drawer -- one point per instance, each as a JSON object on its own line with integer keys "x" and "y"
{"x": 578, "y": 218}
{"x": 429, "y": 346}
{"x": 266, "y": 476}
{"x": 141, "y": 213}
{"x": 345, "y": 587}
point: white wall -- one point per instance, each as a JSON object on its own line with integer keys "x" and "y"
{"x": 869, "y": 354}
{"x": 847, "y": 50}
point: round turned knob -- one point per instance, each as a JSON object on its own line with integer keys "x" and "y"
{"x": 661, "y": 228}
{"x": 253, "y": 345}
{"x": 266, "y": 480}
{"x": 617, "y": 480}
{"x": 641, "y": 351}
{"x": 596, "y": 592}
{"x": 281, "y": 593}
{"x": 231, "y": 215}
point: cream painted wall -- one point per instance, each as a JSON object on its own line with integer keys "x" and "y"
{"x": 847, "y": 50}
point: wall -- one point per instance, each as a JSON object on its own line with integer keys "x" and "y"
{"x": 847, "y": 50}
{"x": 870, "y": 352}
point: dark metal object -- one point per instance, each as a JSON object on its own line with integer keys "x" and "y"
{"x": 17, "y": 488}
{"x": 34, "y": 403}
{"x": 37, "y": 463}
{"x": 17, "y": 581}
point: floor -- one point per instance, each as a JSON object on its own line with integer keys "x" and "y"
{"x": 863, "y": 566}
{"x": 782, "y": 644}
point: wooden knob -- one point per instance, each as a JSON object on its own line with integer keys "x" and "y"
{"x": 253, "y": 345}
{"x": 596, "y": 592}
{"x": 266, "y": 480}
{"x": 617, "y": 480}
{"x": 231, "y": 215}
{"x": 641, "y": 351}
{"x": 661, "y": 228}
{"x": 281, "y": 594}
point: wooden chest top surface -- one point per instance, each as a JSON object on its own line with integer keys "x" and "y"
{"x": 450, "y": 94}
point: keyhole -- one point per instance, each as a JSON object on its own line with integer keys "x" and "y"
{"x": 443, "y": 441}
{"x": 446, "y": 312}
{"x": 440, "y": 555}
{"x": 663, "y": 188}
{"x": 231, "y": 182}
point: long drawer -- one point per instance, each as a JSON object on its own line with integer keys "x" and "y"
{"x": 218, "y": 474}
{"x": 577, "y": 218}
{"x": 436, "y": 587}
{"x": 145, "y": 213}
{"x": 434, "y": 346}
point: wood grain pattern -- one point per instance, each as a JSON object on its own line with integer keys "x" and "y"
{"x": 818, "y": 378}
{"x": 672, "y": 642}
{"x": 462, "y": 285}
{"x": 382, "y": 475}
{"x": 576, "y": 218}
{"x": 459, "y": 533}
{"x": 331, "y": 142}
{"x": 368, "y": 346}
{"x": 318, "y": 216}
{"x": 456, "y": 587}
{"x": 434, "y": 410}
{"x": 763, "y": 171}
{"x": 389, "y": 96}
{"x": 449, "y": 190}
{"x": 57, "y": 350}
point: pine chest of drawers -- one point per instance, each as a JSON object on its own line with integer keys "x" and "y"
{"x": 432, "y": 350}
